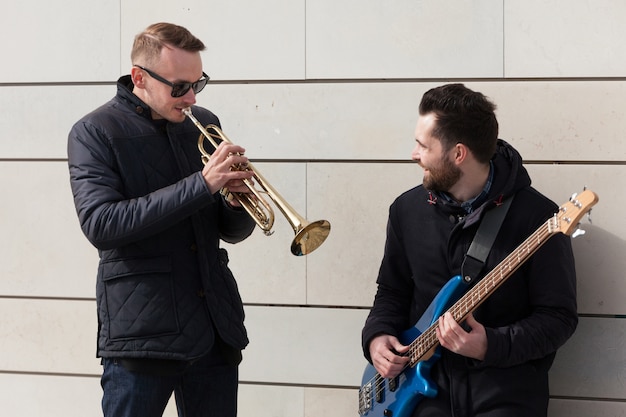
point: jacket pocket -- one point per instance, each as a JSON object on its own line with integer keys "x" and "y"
{"x": 139, "y": 298}
{"x": 231, "y": 317}
{"x": 234, "y": 300}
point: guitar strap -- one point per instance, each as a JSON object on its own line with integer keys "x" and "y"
{"x": 483, "y": 241}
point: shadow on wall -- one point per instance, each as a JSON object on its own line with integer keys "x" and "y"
{"x": 592, "y": 364}
{"x": 600, "y": 262}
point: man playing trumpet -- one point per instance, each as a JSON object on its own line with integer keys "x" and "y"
{"x": 170, "y": 318}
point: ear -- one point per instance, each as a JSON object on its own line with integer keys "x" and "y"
{"x": 137, "y": 76}
{"x": 460, "y": 153}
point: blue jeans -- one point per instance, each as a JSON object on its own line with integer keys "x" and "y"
{"x": 204, "y": 388}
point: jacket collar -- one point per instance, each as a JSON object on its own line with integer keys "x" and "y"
{"x": 125, "y": 93}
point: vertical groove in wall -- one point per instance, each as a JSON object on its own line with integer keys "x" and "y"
{"x": 305, "y": 41}
{"x": 503, "y": 39}
{"x": 120, "y": 38}
{"x": 306, "y": 216}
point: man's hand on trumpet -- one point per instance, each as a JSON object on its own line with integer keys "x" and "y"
{"x": 221, "y": 170}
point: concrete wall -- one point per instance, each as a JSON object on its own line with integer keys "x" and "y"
{"x": 323, "y": 94}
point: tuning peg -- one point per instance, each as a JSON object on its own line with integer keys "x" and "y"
{"x": 589, "y": 217}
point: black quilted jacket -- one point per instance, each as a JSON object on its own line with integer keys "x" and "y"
{"x": 163, "y": 282}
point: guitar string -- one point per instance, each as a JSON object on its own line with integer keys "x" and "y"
{"x": 487, "y": 284}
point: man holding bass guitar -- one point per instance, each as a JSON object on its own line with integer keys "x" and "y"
{"x": 495, "y": 363}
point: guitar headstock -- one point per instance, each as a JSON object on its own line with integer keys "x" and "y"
{"x": 570, "y": 213}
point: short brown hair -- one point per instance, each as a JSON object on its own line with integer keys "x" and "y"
{"x": 462, "y": 116}
{"x": 149, "y": 43}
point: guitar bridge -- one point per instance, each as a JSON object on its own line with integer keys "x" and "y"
{"x": 365, "y": 398}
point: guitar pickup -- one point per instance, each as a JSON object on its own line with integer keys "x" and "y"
{"x": 379, "y": 387}
{"x": 393, "y": 384}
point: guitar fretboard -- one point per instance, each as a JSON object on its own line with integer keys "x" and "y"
{"x": 427, "y": 341}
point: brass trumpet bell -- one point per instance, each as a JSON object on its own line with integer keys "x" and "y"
{"x": 308, "y": 235}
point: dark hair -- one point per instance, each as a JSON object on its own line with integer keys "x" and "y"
{"x": 462, "y": 116}
{"x": 149, "y": 43}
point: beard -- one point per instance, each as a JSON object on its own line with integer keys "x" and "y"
{"x": 442, "y": 177}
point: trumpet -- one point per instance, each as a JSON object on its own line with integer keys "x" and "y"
{"x": 308, "y": 235}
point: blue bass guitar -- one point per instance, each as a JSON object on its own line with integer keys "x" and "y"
{"x": 398, "y": 397}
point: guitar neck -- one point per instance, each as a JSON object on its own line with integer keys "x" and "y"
{"x": 427, "y": 341}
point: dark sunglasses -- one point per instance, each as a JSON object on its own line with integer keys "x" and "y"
{"x": 179, "y": 89}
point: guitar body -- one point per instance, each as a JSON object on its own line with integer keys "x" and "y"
{"x": 399, "y": 396}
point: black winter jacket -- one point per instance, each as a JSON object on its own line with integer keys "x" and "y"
{"x": 163, "y": 282}
{"x": 527, "y": 319}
